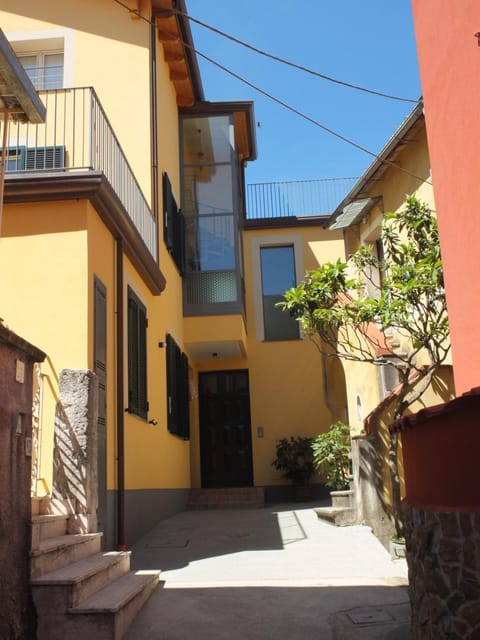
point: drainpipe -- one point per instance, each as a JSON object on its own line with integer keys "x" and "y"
{"x": 153, "y": 109}
{"x": 121, "y": 544}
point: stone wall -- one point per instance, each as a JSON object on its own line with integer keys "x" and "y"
{"x": 443, "y": 554}
{"x": 368, "y": 479}
{"x": 17, "y": 616}
{"x": 75, "y": 457}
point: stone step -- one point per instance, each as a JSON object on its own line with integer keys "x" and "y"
{"x": 67, "y": 587}
{"x": 113, "y": 609}
{"x": 57, "y": 506}
{"x": 48, "y": 526}
{"x": 227, "y": 498}
{"x": 342, "y": 498}
{"x": 338, "y": 516}
{"x": 55, "y": 553}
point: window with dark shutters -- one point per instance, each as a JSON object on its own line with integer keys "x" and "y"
{"x": 137, "y": 356}
{"x": 178, "y": 413}
{"x": 173, "y": 225}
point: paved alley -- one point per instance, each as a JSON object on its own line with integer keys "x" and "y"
{"x": 276, "y": 572}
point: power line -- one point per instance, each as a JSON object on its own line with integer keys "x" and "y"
{"x": 280, "y": 102}
{"x": 305, "y": 116}
{"x": 293, "y": 64}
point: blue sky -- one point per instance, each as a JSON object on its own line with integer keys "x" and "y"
{"x": 368, "y": 43}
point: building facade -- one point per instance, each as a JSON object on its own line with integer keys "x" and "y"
{"x": 129, "y": 255}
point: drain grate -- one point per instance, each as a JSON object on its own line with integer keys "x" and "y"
{"x": 370, "y": 616}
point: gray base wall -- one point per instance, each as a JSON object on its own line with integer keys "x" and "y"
{"x": 143, "y": 509}
{"x": 443, "y": 555}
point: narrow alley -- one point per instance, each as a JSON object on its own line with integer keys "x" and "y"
{"x": 277, "y": 572}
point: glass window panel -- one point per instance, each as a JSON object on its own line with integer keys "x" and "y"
{"x": 208, "y": 190}
{"x": 278, "y": 269}
{"x": 53, "y": 71}
{"x": 278, "y": 275}
{"x": 207, "y": 140}
{"x": 30, "y": 65}
{"x": 210, "y": 243}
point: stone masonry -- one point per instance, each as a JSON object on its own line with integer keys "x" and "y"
{"x": 443, "y": 554}
{"x": 75, "y": 458}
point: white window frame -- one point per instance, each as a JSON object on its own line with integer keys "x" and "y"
{"x": 45, "y": 41}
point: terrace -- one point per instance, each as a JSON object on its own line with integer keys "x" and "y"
{"x": 78, "y": 137}
{"x": 299, "y": 198}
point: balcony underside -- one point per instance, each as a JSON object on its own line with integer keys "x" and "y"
{"x": 215, "y": 337}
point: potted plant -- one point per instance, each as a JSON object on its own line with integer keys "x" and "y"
{"x": 331, "y": 455}
{"x": 294, "y": 460}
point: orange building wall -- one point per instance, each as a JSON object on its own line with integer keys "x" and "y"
{"x": 449, "y": 59}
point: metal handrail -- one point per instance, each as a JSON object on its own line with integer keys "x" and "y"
{"x": 297, "y": 198}
{"x": 77, "y": 135}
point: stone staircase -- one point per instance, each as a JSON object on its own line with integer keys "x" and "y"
{"x": 342, "y": 511}
{"x": 79, "y": 591}
{"x": 228, "y": 498}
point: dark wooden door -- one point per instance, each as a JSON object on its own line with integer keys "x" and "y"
{"x": 225, "y": 432}
{"x": 100, "y": 368}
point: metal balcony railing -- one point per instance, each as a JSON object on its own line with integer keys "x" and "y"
{"x": 298, "y": 198}
{"x": 76, "y": 136}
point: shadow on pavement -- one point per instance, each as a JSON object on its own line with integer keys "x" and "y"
{"x": 176, "y": 542}
{"x": 283, "y": 613}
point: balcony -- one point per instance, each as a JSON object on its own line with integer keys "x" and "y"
{"x": 299, "y": 198}
{"x": 77, "y": 136}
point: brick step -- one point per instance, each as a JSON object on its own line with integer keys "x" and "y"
{"x": 339, "y": 516}
{"x": 227, "y": 498}
{"x": 65, "y": 588}
{"x": 55, "y": 553}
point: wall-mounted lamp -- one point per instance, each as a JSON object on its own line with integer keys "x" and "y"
{"x": 162, "y": 345}
{"x": 153, "y": 421}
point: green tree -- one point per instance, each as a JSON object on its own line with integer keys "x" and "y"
{"x": 358, "y": 315}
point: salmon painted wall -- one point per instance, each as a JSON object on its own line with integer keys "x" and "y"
{"x": 449, "y": 59}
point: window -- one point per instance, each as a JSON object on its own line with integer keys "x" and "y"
{"x": 178, "y": 414}
{"x": 45, "y": 69}
{"x": 173, "y": 225}
{"x": 137, "y": 356}
{"x": 278, "y": 275}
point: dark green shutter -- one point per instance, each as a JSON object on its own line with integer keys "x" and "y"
{"x": 137, "y": 356}
{"x": 178, "y": 414}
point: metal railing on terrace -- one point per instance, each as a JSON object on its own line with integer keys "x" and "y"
{"x": 77, "y": 136}
{"x": 298, "y": 198}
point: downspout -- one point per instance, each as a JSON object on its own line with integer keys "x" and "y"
{"x": 121, "y": 544}
{"x": 153, "y": 118}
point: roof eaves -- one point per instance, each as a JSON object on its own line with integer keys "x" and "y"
{"x": 410, "y": 121}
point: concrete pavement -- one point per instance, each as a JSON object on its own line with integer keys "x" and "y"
{"x": 276, "y": 572}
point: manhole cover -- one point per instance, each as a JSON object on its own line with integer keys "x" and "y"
{"x": 370, "y": 616}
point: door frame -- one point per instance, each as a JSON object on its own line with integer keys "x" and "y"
{"x": 204, "y": 483}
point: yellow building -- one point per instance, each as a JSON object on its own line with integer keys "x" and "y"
{"x": 125, "y": 252}
{"x": 402, "y": 168}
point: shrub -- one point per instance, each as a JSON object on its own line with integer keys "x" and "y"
{"x": 331, "y": 451}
